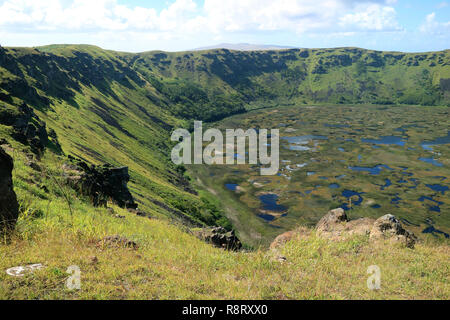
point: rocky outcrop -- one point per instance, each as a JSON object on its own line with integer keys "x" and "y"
{"x": 9, "y": 208}
{"x": 388, "y": 227}
{"x": 219, "y": 237}
{"x": 100, "y": 183}
{"x": 333, "y": 219}
{"x": 336, "y": 226}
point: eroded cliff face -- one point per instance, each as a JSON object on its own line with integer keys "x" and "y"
{"x": 9, "y": 208}
{"x": 27, "y": 127}
{"x": 100, "y": 183}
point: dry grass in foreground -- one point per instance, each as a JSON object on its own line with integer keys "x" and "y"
{"x": 171, "y": 264}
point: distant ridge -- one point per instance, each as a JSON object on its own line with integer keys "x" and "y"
{"x": 244, "y": 47}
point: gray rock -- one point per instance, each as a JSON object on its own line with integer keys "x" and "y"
{"x": 335, "y": 225}
{"x": 389, "y": 227}
{"x": 219, "y": 237}
{"x": 331, "y": 220}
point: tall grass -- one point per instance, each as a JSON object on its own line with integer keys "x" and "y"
{"x": 172, "y": 264}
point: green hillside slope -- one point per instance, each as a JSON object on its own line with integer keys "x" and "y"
{"x": 119, "y": 108}
{"x": 103, "y": 112}
{"x": 344, "y": 75}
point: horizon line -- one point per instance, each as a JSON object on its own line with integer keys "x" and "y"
{"x": 200, "y": 49}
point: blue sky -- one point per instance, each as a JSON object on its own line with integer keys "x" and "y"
{"x": 139, "y": 25}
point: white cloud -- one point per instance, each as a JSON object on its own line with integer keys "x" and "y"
{"x": 434, "y": 27}
{"x": 115, "y": 25}
{"x": 184, "y": 16}
{"x": 89, "y": 15}
{"x": 300, "y": 15}
{"x": 374, "y": 18}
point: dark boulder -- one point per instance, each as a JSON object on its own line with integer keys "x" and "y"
{"x": 100, "y": 183}
{"x": 220, "y": 237}
{"x": 9, "y": 208}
